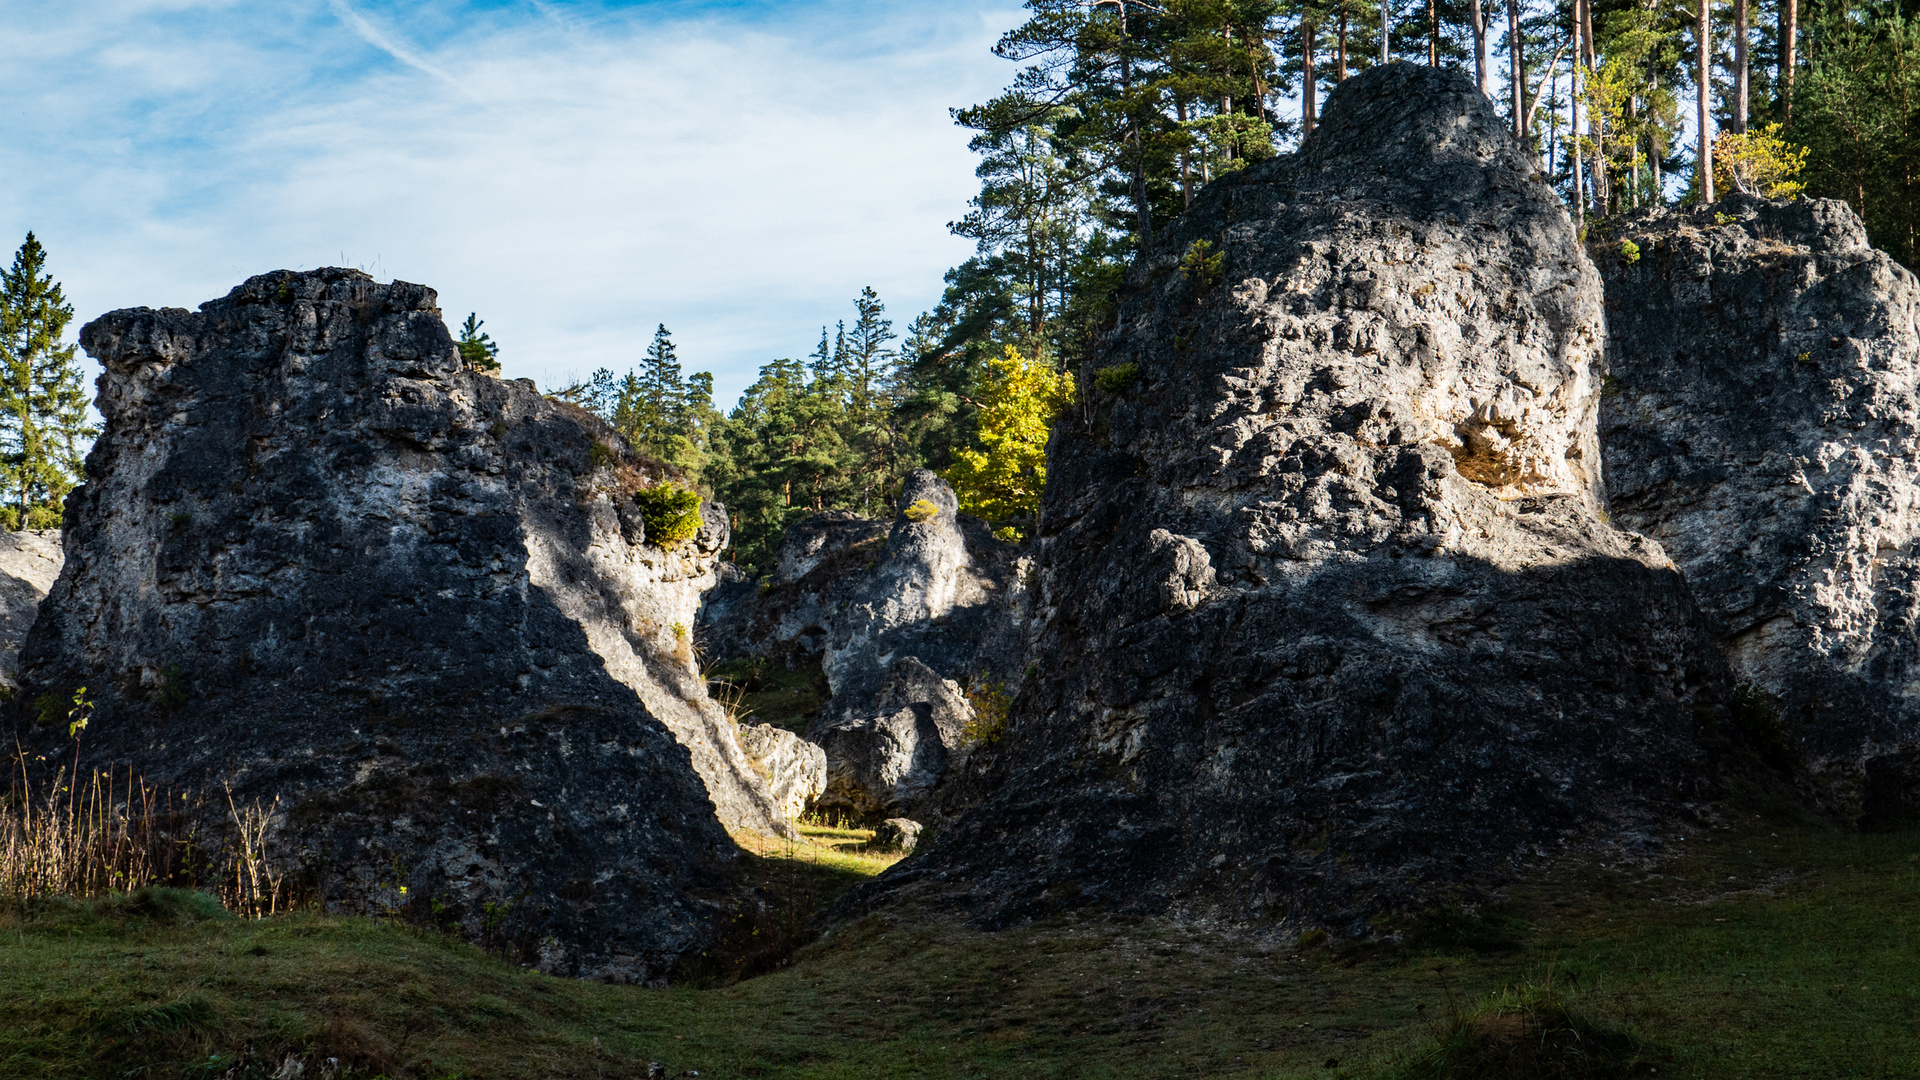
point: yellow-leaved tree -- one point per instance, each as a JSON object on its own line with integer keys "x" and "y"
{"x": 1002, "y": 480}
{"x": 1759, "y": 162}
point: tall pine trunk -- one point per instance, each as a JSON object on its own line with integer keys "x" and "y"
{"x": 1703, "y": 37}
{"x": 1477, "y": 15}
{"x": 1141, "y": 209}
{"x": 1340, "y": 52}
{"x": 1516, "y": 73}
{"x": 1573, "y": 122}
{"x": 1601, "y": 189}
{"x": 1739, "y": 65}
{"x": 1789, "y": 37}
{"x": 1433, "y": 35}
{"x": 1308, "y": 46}
{"x": 1186, "y": 159}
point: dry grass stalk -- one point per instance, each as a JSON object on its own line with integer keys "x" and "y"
{"x": 104, "y": 832}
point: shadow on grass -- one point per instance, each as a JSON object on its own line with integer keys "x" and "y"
{"x": 784, "y": 884}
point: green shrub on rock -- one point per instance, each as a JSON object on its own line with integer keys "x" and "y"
{"x": 671, "y": 514}
{"x": 1117, "y": 379}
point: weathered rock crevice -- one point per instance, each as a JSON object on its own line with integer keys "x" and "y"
{"x": 904, "y": 621}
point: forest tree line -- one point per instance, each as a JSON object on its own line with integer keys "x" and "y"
{"x": 1122, "y": 109}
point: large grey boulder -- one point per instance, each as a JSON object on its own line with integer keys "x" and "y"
{"x": 29, "y": 562}
{"x": 902, "y": 620}
{"x": 888, "y": 756}
{"x": 1762, "y": 422}
{"x": 319, "y": 561}
{"x": 1332, "y": 619}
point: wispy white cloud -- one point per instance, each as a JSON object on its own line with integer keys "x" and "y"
{"x": 737, "y": 173}
{"x": 383, "y": 41}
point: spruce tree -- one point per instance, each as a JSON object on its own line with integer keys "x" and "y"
{"x": 662, "y": 393}
{"x": 869, "y": 373}
{"x": 478, "y": 349}
{"x": 43, "y": 405}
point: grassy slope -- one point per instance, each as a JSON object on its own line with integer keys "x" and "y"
{"x": 1751, "y": 955}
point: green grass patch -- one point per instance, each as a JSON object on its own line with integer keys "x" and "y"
{"x": 1772, "y": 949}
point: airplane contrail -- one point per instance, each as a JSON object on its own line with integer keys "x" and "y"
{"x": 378, "y": 38}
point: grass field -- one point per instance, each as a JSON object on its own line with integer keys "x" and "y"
{"x": 1768, "y": 949}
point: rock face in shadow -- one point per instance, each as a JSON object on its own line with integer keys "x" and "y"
{"x": 29, "y": 562}
{"x": 318, "y": 560}
{"x": 902, "y": 621}
{"x": 1332, "y": 617}
{"x": 1762, "y": 422}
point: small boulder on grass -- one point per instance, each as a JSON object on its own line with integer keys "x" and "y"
{"x": 896, "y": 834}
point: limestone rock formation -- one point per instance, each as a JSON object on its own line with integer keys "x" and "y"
{"x": 795, "y": 769}
{"x": 902, "y": 621}
{"x": 1762, "y": 421}
{"x": 318, "y": 560}
{"x": 29, "y": 563}
{"x": 1332, "y": 617}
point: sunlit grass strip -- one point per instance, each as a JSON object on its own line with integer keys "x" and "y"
{"x": 830, "y": 847}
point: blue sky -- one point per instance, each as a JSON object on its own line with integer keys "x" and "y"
{"x": 574, "y": 171}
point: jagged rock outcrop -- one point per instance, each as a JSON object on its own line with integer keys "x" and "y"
{"x": 902, "y": 621}
{"x": 29, "y": 562}
{"x": 319, "y": 561}
{"x": 1762, "y": 422}
{"x": 1332, "y": 617}
{"x": 795, "y": 769}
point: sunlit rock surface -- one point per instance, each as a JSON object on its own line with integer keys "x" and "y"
{"x": 1332, "y": 617}
{"x": 1762, "y": 423}
{"x": 795, "y": 769}
{"x": 29, "y": 562}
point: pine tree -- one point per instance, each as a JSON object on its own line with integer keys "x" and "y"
{"x": 869, "y": 375}
{"x": 652, "y": 403}
{"x": 781, "y": 455}
{"x": 868, "y": 363}
{"x": 661, "y": 388}
{"x": 478, "y": 349}
{"x": 1856, "y": 108}
{"x": 43, "y": 406}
